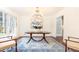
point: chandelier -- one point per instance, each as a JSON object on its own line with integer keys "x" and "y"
{"x": 37, "y": 19}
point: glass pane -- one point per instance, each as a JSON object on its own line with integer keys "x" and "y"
{"x": 11, "y": 22}
{"x": 0, "y": 18}
{"x": 7, "y": 23}
{"x": 0, "y": 13}
{"x": 1, "y": 28}
{"x": 1, "y": 22}
{"x": 59, "y": 26}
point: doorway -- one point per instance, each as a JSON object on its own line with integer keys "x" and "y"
{"x": 59, "y": 28}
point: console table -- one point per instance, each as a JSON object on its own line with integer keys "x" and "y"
{"x": 43, "y": 37}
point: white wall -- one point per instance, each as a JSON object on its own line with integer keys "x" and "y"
{"x": 25, "y": 23}
{"x": 24, "y": 19}
{"x": 60, "y": 13}
{"x": 71, "y": 22}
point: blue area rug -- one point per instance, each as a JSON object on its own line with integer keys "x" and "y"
{"x": 41, "y": 46}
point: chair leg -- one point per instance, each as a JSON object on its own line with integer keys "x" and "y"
{"x": 65, "y": 49}
{"x": 16, "y": 46}
{"x": 66, "y": 46}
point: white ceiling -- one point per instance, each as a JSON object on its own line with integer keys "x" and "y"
{"x": 30, "y": 10}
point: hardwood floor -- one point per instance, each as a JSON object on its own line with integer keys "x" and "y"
{"x": 59, "y": 39}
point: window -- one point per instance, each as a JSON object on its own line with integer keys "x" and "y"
{"x": 2, "y": 23}
{"x": 7, "y": 23}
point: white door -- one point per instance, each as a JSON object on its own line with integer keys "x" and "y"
{"x": 59, "y": 26}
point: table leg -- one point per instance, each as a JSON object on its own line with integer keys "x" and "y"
{"x": 16, "y": 46}
{"x": 44, "y": 37}
{"x": 30, "y": 37}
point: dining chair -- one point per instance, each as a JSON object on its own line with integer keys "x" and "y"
{"x": 72, "y": 43}
{"x": 7, "y": 42}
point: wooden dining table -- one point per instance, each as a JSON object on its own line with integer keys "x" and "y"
{"x": 43, "y": 37}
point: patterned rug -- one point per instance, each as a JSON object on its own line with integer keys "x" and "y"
{"x": 41, "y": 46}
